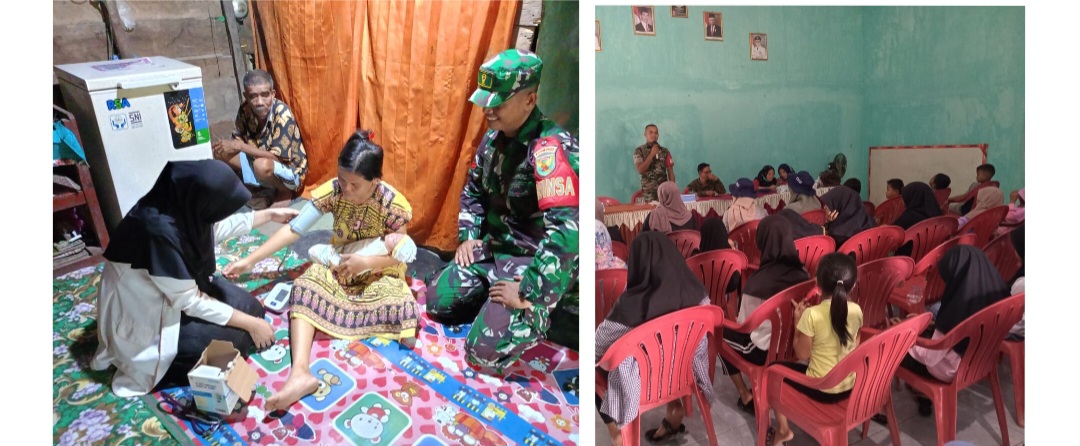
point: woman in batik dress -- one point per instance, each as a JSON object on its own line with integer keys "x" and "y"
{"x": 363, "y": 296}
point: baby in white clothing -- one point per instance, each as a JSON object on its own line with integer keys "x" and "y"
{"x": 400, "y": 246}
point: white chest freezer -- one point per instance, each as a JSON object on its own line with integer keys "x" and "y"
{"x": 135, "y": 115}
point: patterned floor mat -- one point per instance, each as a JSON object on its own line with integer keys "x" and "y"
{"x": 375, "y": 392}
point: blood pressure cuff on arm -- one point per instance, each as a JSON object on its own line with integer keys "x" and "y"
{"x": 556, "y": 181}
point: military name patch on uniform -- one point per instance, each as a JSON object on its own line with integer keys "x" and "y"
{"x": 545, "y": 160}
{"x": 555, "y": 187}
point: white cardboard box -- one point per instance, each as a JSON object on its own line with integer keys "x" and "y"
{"x": 220, "y": 378}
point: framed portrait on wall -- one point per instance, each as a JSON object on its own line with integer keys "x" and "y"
{"x": 759, "y": 46}
{"x": 679, "y": 11}
{"x": 714, "y": 25}
{"x": 644, "y": 20}
{"x": 599, "y": 46}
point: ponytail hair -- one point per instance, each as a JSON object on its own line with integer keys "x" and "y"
{"x": 836, "y": 275}
{"x": 362, "y": 156}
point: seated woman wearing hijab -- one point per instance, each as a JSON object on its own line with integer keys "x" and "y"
{"x": 987, "y": 198}
{"x": 803, "y": 196}
{"x": 1015, "y": 217}
{"x": 971, "y": 284}
{"x": 845, "y": 215}
{"x": 714, "y": 236}
{"x": 745, "y": 208}
{"x": 160, "y": 304}
{"x": 766, "y": 179}
{"x": 362, "y": 296}
{"x": 919, "y": 204}
{"x": 785, "y": 173}
{"x": 613, "y": 231}
{"x": 605, "y": 258}
{"x": 799, "y": 226}
{"x": 1016, "y": 284}
{"x": 780, "y": 269}
{"x": 658, "y": 283}
{"x": 671, "y": 214}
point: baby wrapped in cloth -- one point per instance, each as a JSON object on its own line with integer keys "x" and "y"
{"x": 400, "y": 246}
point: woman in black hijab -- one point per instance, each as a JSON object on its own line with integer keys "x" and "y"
{"x": 845, "y": 214}
{"x": 766, "y": 178}
{"x": 971, "y": 284}
{"x": 919, "y": 204}
{"x": 658, "y": 283}
{"x": 780, "y": 269}
{"x": 160, "y": 303}
{"x": 799, "y": 226}
{"x": 714, "y": 236}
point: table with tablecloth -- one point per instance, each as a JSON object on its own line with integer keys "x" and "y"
{"x": 630, "y": 217}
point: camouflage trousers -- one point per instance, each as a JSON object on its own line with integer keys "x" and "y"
{"x": 498, "y": 335}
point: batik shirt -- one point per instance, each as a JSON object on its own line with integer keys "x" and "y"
{"x": 279, "y": 136}
{"x": 655, "y": 174}
{"x": 699, "y": 188}
{"x": 504, "y": 205}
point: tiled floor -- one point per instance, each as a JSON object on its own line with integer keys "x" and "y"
{"x": 976, "y": 420}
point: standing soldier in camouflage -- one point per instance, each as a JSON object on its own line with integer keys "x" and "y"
{"x": 513, "y": 277}
{"x": 654, "y": 163}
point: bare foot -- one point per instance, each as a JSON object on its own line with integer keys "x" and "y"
{"x": 298, "y": 385}
{"x": 782, "y": 437}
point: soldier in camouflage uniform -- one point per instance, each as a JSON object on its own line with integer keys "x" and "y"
{"x": 654, "y": 163}
{"x": 515, "y": 272}
{"x": 706, "y": 184}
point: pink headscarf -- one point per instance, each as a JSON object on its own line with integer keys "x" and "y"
{"x": 605, "y": 258}
{"x": 671, "y": 210}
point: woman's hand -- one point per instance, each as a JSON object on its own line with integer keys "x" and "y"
{"x": 464, "y": 255}
{"x": 508, "y": 294}
{"x": 351, "y": 265}
{"x": 282, "y": 215}
{"x": 830, "y": 214}
{"x": 237, "y": 268}
{"x": 261, "y": 332}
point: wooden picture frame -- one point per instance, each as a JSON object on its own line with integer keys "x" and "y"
{"x": 644, "y": 20}
{"x": 599, "y": 43}
{"x": 707, "y": 27}
{"x": 761, "y": 52}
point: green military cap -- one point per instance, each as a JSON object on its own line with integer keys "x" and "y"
{"x": 504, "y": 75}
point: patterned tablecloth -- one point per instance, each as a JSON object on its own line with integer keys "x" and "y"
{"x": 630, "y": 217}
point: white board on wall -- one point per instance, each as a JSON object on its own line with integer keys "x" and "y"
{"x": 919, "y": 163}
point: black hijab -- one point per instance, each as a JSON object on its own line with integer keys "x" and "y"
{"x": 169, "y": 232}
{"x": 799, "y": 226}
{"x": 852, "y": 217}
{"x": 658, "y": 282}
{"x": 1017, "y": 237}
{"x": 714, "y": 235}
{"x": 780, "y": 266}
{"x": 971, "y": 284}
{"x": 919, "y": 203}
{"x": 762, "y": 177}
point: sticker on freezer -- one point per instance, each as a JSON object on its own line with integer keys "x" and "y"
{"x": 117, "y": 104}
{"x": 178, "y": 108}
{"x": 135, "y": 119}
{"x": 119, "y": 122}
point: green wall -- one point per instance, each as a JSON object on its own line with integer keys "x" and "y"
{"x": 838, "y": 80}
{"x": 557, "y": 46}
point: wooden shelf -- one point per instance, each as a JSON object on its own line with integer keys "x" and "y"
{"x": 96, "y": 256}
{"x": 86, "y": 201}
{"x": 68, "y": 200}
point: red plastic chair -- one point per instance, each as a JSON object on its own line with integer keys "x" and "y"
{"x": 745, "y": 238}
{"x": 873, "y": 243}
{"x": 928, "y": 234}
{"x": 621, "y": 250}
{"x": 715, "y": 269}
{"x": 610, "y": 284}
{"x": 985, "y": 332}
{"x": 874, "y": 362}
{"x": 687, "y": 240}
{"x": 1003, "y": 255}
{"x": 869, "y": 206}
{"x": 942, "y": 196}
{"x": 636, "y": 197}
{"x": 984, "y": 224}
{"x": 886, "y": 212}
{"x": 671, "y": 376}
{"x": 925, "y": 274}
{"x": 812, "y": 248}
{"x": 608, "y": 201}
{"x": 816, "y": 216}
{"x": 778, "y": 310}
{"x": 1014, "y": 350}
{"x": 877, "y": 280}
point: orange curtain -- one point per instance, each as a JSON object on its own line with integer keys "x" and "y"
{"x": 404, "y": 69}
